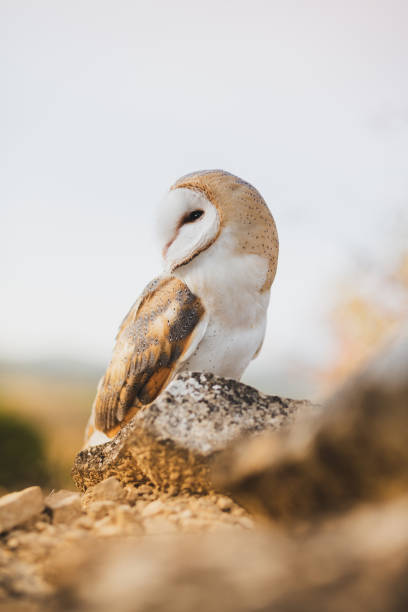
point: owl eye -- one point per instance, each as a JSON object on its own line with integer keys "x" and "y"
{"x": 193, "y": 216}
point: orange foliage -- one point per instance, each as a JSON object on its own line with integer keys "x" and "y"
{"x": 361, "y": 322}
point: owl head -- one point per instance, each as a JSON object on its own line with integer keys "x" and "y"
{"x": 203, "y": 208}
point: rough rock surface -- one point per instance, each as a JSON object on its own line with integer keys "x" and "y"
{"x": 174, "y": 441}
{"x": 65, "y": 506}
{"x": 356, "y": 451}
{"x": 16, "y": 508}
{"x": 94, "y": 464}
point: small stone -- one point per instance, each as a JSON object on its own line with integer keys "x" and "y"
{"x": 84, "y": 522}
{"x": 225, "y": 503}
{"x": 13, "y": 543}
{"x": 99, "y": 509}
{"x": 132, "y": 495}
{"x": 17, "y": 508}
{"x": 109, "y": 489}
{"x": 107, "y": 527}
{"x": 155, "y": 507}
{"x": 41, "y": 526}
{"x": 64, "y": 505}
{"x": 103, "y": 522}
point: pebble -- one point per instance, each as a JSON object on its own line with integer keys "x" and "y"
{"x": 154, "y": 507}
{"x": 107, "y": 490}
{"x": 65, "y": 506}
{"x": 84, "y": 522}
{"x": 99, "y": 509}
{"x": 17, "y": 508}
{"x": 225, "y": 503}
{"x": 41, "y": 526}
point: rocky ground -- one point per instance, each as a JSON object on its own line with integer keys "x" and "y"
{"x": 220, "y": 498}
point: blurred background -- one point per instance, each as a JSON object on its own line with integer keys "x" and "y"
{"x": 104, "y": 104}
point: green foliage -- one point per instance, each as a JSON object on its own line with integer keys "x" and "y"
{"x": 22, "y": 453}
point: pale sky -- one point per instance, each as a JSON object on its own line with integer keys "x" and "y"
{"x": 105, "y": 103}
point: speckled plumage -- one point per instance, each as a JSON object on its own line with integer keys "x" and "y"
{"x": 208, "y": 309}
{"x": 154, "y": 335}
{"x": 241, "y": 205}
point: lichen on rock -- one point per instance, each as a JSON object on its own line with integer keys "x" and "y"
{"x": 173, "y": 442}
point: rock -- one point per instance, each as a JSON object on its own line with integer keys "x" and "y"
{"x": 41, "y": 525}
{"x": 224, "y": 503}
{"x": 99, "y": 509}
{"x": 174, "y": 441}
{"x": 107, "y": 490}
{"x": 84, "y": 522}
{"x": 94, "y": 464}
{"x": 65, "y": 506}
{"x": 17, "y": 508}
{"x": 356, "y": 451}
{"x": 155, "y": 507}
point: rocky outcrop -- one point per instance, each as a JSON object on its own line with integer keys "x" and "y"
{"x": 333, "y": 488}
{"x": 355, "y": 452}
{"x": 174, "y": 441}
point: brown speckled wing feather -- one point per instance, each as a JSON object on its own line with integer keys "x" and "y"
{"x": 152, "y": 340}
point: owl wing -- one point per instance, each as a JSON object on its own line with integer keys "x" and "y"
{"x": 160, "y": 331}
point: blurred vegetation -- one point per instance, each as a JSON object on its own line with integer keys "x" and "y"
{"x": 42, "y": 420}
{"x": 23, "y": 460}
{"x": 368, "y": 311}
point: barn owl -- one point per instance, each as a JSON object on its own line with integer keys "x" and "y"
{"x": 207, "y": 310}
